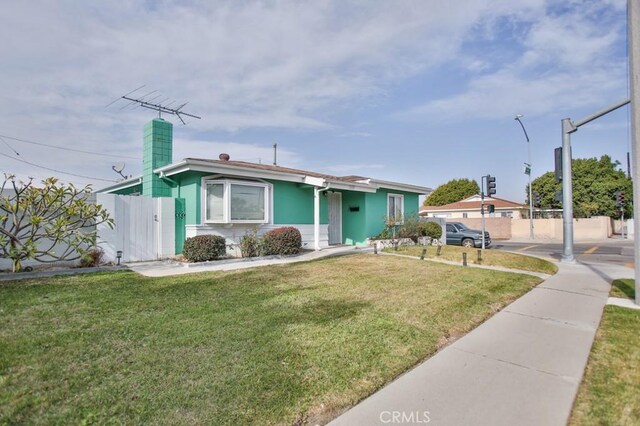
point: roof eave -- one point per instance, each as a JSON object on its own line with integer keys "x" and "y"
{"x": 235, "y": 170}
{"x": 121, "y": 185}
{"x": 423, "y": 190}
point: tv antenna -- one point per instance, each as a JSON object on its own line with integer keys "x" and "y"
{"x": 162, "y": 106}
{"x": 118, "y": 168}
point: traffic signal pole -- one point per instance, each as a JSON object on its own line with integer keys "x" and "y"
{"x": 569, "y": 127}
{"x": 633, "y": 25}
{"x": 567, "y": 193}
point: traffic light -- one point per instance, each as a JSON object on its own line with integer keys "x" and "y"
{"x": 491, "y": 185}
{"x": 620, "y": 198}
{"x": 491, "y": 208}
{"x": 557, "y": 154}
{"x": 536, "y": 199}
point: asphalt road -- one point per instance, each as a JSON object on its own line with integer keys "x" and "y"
{"x": 615, "y": 251}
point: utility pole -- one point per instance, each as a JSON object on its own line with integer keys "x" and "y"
{"x": 633, "y": 24}
{"x": 528, "y": 171}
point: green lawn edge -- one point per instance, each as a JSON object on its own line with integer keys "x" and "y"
{"x": 610, "y": 389}
{"x": 489, "y": 257}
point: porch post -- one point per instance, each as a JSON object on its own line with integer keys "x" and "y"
{"x": 316, "y": 217}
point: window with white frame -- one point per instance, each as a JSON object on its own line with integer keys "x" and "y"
{"x": 228, "y": 201}
{"x": 395, "y": 207}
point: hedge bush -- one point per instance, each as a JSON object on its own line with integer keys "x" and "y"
{"x": 285, "y": 240}
{"x": 433, "y": 230}
{"x": 204, "y": 247}
{"x": 251, "y": 244}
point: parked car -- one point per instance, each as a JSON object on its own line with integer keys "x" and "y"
{"x": 458, "y": 234}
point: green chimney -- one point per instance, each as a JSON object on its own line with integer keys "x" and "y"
{"x": 158, "y": 152}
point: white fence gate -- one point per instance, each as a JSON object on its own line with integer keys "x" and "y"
{"x": 144, "y": 227}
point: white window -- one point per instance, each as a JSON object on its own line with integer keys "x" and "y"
{"x": 227, "y": 201}
{"x": 395, "y": 207}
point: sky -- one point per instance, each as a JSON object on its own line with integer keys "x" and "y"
{"x": 418, "y": 92}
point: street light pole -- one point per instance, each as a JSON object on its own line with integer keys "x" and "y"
{"x": 517, "y": 118}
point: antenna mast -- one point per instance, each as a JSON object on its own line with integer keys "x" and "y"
{"x": 155, "y": 105}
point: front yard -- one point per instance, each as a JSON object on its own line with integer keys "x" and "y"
{"x": 273, "y": 345}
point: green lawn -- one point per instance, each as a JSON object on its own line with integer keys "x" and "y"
{"x": 624, "y": 288}
{"x": 489, "y": 257}
{"x": 272, "y": 345}
{"x": 610, "y": 391}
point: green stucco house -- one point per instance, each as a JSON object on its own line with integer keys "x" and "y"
{"x": 228, "y": 198}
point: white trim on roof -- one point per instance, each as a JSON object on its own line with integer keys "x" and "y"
{"x": 121, "y": 185}
{"x": 423, "y": 190}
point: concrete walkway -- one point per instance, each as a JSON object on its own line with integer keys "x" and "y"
{"x": 523, "y": 366}
{"x": 168, "y": 268}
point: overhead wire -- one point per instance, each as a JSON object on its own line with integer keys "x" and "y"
{"x": 56, "y": 170}
{"x": 65, "y": 148}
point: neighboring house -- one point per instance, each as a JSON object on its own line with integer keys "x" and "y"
{"x": 229, "y": 198}
{"x": 470, "y": 208}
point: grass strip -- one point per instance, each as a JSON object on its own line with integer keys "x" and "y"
{"x": 610, "y": 390}
{"x": 488, "y": 257}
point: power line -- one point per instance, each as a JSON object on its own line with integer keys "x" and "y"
{"x": 55, "y": 170}
{"x": 68, "y": 149}
{"x": 10, "y": 147}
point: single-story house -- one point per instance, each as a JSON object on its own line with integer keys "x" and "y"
{"x": 470, "y": 208}
{"x": 229, "y": 198}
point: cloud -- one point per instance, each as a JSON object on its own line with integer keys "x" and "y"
{"x": 355, "y": 135}
{"x": 255, "y": 153}
{"x": 566, "y": 62}
{"x": 275, "y": 65}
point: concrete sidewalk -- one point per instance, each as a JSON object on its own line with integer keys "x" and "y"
{"x": 168, "y": 268}
{"x": 523, "y": 366}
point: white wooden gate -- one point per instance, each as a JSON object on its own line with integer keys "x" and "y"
{"x": 144, "y": 227}
{"x": 335, "y": 217}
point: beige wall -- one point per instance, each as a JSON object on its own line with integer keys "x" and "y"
{"x": 594, "y": 228}
{"x": 498, "y": 227}
{"x": 471, "y": 214}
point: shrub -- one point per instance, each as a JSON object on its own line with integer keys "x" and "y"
{"x": 411, "y": 228}
{"x": 204, "y": 247}
{"x": 286, "y": 240}
{"x": 92, "y": 258}
{"x": 433, "y": 230}
{"x": 251, "y": 244}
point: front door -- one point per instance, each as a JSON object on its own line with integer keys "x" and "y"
{"x": 335, "y": 217}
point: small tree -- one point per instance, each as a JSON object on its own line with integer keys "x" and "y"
{"x": 452, "y": 191}
{"x": 34, "y": 221}
{"x": 595, "y": 183}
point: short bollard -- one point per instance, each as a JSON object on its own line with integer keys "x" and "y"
{"x": 375, "y": 248}
{"x": 395, "y": 245}
{"x": 438, "y": 250}
{"x": 479, "y": 256}
{"x": 464, "y": 259}
{"x": 424, "y": 253}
